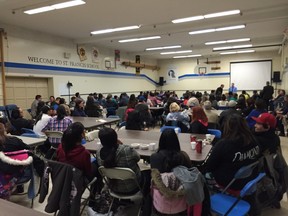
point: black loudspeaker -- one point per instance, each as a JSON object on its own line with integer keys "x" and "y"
{"x": 276, "y": 76}
{"x": 161, "y": 81}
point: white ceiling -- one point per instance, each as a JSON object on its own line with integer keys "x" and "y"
{"x": 265, "y": 22}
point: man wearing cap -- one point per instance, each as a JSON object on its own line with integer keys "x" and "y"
{"x": 265, "y": 132}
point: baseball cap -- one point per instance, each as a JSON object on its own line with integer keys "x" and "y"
{"x": 142, "y": 98}
{"x": 266, "y": 118}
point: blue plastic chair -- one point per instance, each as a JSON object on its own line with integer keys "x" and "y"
{"x": 9, "y": 109}
{"x": 224, "y": 204}
{"x": 171, "y": 127}
{"x": 4, "y": 111}
{"x": 215, "y": 132}
{"x": 29, "y": 133}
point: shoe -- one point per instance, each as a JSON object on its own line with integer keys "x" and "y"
{"x": 91, "y": 212}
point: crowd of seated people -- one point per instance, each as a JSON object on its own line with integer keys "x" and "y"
{"x": 243, "y": 122}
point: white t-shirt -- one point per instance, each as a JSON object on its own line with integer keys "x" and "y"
{"x": 41, "y": 124}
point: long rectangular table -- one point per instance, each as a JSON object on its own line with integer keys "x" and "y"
{"x": 145, "y": 137}
{"x": 91, "y": 123}
{"x": 10, "y": 208}
{"x": 31, "y": 141}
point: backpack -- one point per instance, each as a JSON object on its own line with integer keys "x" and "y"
{"x": 271, "y": 188}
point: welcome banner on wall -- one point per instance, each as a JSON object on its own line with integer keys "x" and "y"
{"x": 57, "y": 62}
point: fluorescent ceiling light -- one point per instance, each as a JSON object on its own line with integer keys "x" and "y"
{"x": 39, "y": 10}
{"x": 232, "y": 47}
{"x": 238, "y": 40}
{"x": 176, "y": 52}
{"x": 161, "y": 48}
{"x": 202, "y": 31}
{"x": 55, "y": 6}
{"x": 246, "y": 51}
{"x": 188, "y": 19}
{"x": 207, "y": 16}
{"x": 139, "y": 39}
{"x": 217, "y": 29}
{"x": 230, "y": 28}
{"x": 68, "y": 4}
{"x": 237, "y": 52}
{"x": 224, "y": 13}
{"x": 115, "y": 30}
{"x": 188, "y": 56}
{"x": 227, "y": 41}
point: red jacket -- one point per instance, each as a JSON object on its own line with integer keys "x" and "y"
{"x": 78, "y": 157}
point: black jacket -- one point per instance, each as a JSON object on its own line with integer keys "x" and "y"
{"x": 268, "y": 141}
{"x": 62, "y": 196}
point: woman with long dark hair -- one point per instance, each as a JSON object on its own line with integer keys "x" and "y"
{"x": 237, "y": 148}
{"x": 92, "y": 108}
{"x": 199, "y": 123}
{"x": 79, "y": 108}
{"x": 115, "y": 154}
{"x": 71, "y": 150}
{"x": 18, "y": 121}
{"x": 169, "y": 154}
{"x": 131, "y": 105}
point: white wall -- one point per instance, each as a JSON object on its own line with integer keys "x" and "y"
{"x": 21, "y": 44}
{"x": 23, "y": 50}
{"x": 192, "y": 81}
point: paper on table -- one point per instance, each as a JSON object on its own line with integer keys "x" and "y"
{"x": 101, "y": 120}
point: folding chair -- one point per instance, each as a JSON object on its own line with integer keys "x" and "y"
{"x": 122, "y": 124}
{"x": 9, "y": 109}
{"x": 29, "y": 177}
{"x": 92, "y": 135}
{"x": 224, "y": 204}
{"x": 16, "y": 177}
{"x": 3, "y": 113}
{"x": 67, "y": 198}
{"x": 53, "y": 134}
{"x": 119, "y": 173}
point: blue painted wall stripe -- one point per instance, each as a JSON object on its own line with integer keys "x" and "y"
{"x": 100, "y": 72}
{"x": 74, "y": 70}
{"x": 205, "y": 75}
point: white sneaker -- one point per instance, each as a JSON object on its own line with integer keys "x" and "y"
{"x": 91, "y": 212}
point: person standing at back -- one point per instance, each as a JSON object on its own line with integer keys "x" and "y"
{"x": 233, "y": 88}
{"x": 219, "y": 90}
{"x": 34, "y": 106}
{"x": 267, "y": 93}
